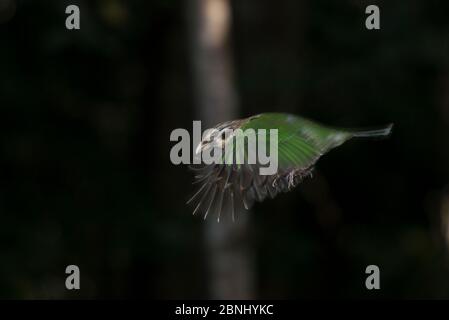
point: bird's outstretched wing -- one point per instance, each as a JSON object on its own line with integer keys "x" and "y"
{"x": 301, "y": 142}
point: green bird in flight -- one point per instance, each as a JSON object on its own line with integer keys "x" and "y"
{"x": 229, "y": 185}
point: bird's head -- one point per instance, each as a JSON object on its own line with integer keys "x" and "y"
{"x": 212, "y": 138}
{"x": 218, "y": 136}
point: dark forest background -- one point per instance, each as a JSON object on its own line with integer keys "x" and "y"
{"x": 85, "y": 174}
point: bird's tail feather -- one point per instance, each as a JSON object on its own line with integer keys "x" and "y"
{"x": 374, "y": 133}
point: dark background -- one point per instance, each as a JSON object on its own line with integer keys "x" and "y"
{"x": 85, "y": 174}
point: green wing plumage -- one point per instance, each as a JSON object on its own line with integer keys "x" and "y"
{"x": 301, "y": 142}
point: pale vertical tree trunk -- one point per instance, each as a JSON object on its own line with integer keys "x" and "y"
{"x": 228, "y": 254}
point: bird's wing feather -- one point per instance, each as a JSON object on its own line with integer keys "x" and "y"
{"x": 301, "y": 142}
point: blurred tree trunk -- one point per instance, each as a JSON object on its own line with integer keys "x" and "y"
{"x": 227, "y": 247}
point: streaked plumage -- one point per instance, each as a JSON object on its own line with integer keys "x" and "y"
{"x": 301, "y": 142}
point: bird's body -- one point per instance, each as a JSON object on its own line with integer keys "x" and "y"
{"x": 224, "y": 187}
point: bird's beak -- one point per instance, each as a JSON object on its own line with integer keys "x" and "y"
{"x": 199, "y": 148}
